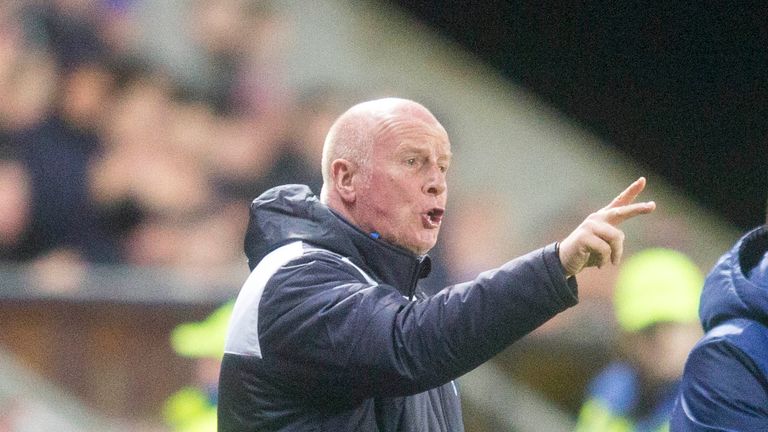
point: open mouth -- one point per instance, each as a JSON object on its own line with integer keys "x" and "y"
{"x": 433, "y": 218}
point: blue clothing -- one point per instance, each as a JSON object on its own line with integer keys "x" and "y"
{"x": 616, "y": 393}
{"x": 331, "y": 331}
{"x": 725, "y": 383}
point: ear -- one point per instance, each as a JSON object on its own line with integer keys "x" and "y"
{"x": 343, "y": 172}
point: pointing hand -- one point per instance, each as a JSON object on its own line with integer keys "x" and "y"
{"x": 598, "y": 239}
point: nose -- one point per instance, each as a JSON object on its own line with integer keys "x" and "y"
{"x": 436, "y": 183}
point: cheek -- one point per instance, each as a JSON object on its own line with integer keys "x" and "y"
{"x": 392, "y": 198}
{"x": 390, "y": 193}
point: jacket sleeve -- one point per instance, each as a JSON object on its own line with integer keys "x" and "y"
{"x": 339, "y": 336}
{"x": 722, "y": 390}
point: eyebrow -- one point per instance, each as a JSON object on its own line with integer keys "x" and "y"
{"x": 406, "y": 147}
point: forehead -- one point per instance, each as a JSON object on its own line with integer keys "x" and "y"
{"x": 412, "y": 131}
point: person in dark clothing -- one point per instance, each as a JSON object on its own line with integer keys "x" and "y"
{"x": 331, "y": 331}
{"x": 725, "y": 382}
{"x": 56, "y": 154}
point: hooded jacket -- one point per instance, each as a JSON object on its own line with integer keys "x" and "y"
{"x": 331, "y": 332}
{"x": 725, "y": 383}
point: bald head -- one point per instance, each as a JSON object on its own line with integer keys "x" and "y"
{"x": 354, "y": 134}
{"x": 384, "y": 171}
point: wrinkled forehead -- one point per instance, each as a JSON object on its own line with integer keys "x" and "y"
{"x": 408, "y": 122}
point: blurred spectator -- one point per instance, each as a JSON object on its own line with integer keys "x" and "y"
{"x": 27, "y": 75}
{"x": 27, "y": 85}
{"x": 15, "y": 204}
{"x": 153, "y": 180}
{"x": 243, "y": 158}
{"x": 57, "y": 153}
{"x": 193, "y": 408}
{"x": 59, "y": 271}
{"x": 244, "y": 41}
{"x": 301, "y": 148}
{"x": 656, "y": 303}
{"x": 68, "y": 29}
{"x": 118, "y": 167}
{"x": 119, "y": 27}
{"x": 251, "y": 157}
{"x": 139, "y": 163}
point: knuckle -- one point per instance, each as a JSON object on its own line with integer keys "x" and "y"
{"x": 590, "y": 224}
{"x": 605, "y": 249}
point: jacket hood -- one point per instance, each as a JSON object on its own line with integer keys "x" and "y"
{"x": 292, "y": 212}
{"x": 728, "y": 293}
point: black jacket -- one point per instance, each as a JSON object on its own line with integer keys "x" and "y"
{"x": 331, "y": 333}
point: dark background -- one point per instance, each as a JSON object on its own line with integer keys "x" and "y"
{"x": 680, "y": 88}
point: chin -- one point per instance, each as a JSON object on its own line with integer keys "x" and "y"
{"x": 424, "y": 249}
{"x": 420, "y": 247}
{"x": 416, "y": 249}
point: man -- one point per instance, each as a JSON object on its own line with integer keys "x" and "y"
{"x": 655, "y": 302}
{"x": 725, "y": 382}
{"x": 331, "y": 333}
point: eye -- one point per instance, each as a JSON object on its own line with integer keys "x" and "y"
{"x": 410, "y": 162}
{"x": 443, "y": 168}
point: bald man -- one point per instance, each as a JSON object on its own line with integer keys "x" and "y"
{"x": 331, "y": 332}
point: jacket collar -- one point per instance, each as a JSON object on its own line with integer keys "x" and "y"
{"x": 753, "y": 247}
{"x": 728, "y": 292}
{"x": 292, "y": 212}
{"x": 388, "y": 263}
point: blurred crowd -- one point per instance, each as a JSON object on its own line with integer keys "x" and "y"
{"x": 112, "y": 154}
{"x": 108, "y": 157}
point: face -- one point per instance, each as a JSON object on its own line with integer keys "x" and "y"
{"x": 15, "y": 198}
{"x": 661, "y": 351}
{"x": 402, "y": 191}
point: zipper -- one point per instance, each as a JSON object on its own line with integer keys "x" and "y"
{"x": 444, "y": 405}
{"x": 415, "y": 276}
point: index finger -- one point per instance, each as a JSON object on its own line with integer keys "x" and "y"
{"x": 628, "y": 195}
